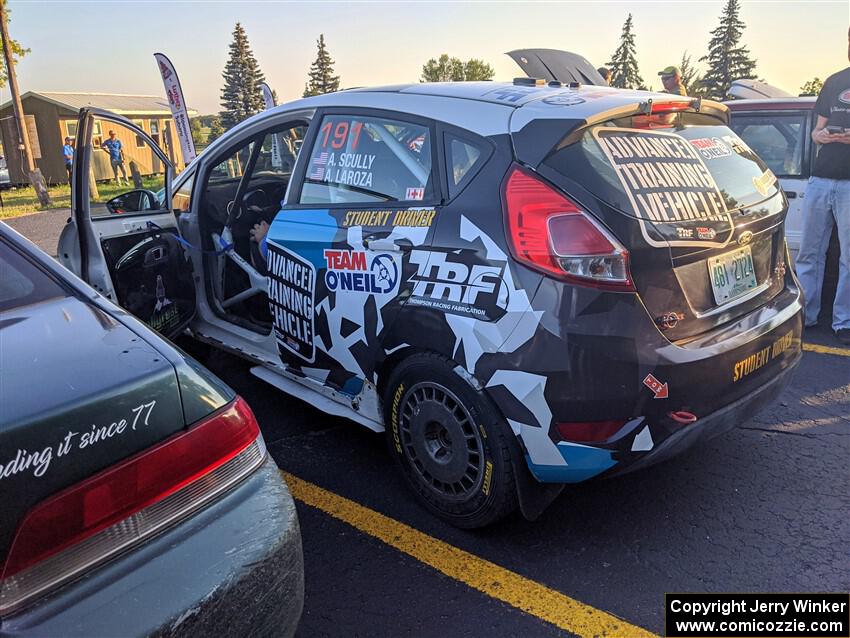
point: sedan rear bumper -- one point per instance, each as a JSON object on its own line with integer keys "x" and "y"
{"x": 235, "y": 568}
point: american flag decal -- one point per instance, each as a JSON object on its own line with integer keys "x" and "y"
{"x": 319, "y": 163}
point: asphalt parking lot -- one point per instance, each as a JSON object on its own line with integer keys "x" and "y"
{"x": 763, "y": 508}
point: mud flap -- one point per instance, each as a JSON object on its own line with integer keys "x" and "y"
{"x": 533, "y": 496}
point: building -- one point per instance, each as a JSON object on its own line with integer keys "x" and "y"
{"x": 52, "y": 115}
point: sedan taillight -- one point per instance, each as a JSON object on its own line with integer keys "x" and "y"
{"x": 92, "y": 521}
{"x": 551, "y": 233}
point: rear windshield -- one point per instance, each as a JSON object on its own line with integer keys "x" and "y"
{"x": 21, "y": 282}
{"x": 683, "y": 174}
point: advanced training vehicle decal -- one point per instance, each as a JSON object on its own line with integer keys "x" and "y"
{"x": 669, "y": 186}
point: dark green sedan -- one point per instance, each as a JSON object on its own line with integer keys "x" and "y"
{"x": 136, "y": 494}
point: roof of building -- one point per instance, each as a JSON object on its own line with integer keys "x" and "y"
{"x": 122, "y": 104}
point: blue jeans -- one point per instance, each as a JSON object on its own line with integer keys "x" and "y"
{"x": 827, "y": 202}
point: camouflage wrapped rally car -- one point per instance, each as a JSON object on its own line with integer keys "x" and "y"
{"x": 524, "y": 284}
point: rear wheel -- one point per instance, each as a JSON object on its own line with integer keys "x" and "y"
{"x": 450, "y": 443}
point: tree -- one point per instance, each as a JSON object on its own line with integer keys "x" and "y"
{"x": 195, "y": 126}
{"x": 727, "y": 59}
{"x": 446, "y": 69}
{"x": 216, "y": 130}
{"x": 241, "y": 96}
{"x": 623, "y": 64}
{"x": 812, "y": 87}
{"x": 18, "y": 51}
{"x": 322, "y": 80}
{"x": 690, "y": 76}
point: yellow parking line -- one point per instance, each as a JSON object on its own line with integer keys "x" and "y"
{"x": 491, "y": 579}
{"x": 813, "y": 347}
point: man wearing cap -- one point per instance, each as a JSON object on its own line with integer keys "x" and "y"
{"x": 605, "y": 72}
{"x": 671, "y": 78}
{"x": 68, "y": 156}
{"x": 115, "y": 150}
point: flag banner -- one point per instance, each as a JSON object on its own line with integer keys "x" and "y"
{"x": 268, "y": 98}
{"x": 179, "y": 110}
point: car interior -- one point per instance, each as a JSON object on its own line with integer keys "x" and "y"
{"x": 244, "y": 189}
{"x": 247, "y": 188}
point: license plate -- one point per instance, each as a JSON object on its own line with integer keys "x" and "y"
{"x": 731, "y": 274}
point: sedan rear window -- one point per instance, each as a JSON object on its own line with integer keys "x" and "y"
{"x": 778, "y": 139}
{"x": 21, "y": 282}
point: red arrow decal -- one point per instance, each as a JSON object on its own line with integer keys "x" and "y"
{"x": 658, "y": 389}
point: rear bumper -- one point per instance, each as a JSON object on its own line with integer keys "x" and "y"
{"x": 235, "y": 568}
{"x": 722, "y": 378}
{"x": 714, "y": 424}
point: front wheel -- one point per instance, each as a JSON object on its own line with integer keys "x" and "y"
{"x": 450, "y": 443}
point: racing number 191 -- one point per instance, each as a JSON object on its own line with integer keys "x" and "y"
{"x": 340, "y": 134}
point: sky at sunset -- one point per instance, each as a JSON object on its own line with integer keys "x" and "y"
{"x": 108, "y": 46}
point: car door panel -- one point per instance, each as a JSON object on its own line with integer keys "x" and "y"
{"x": 337, "y": 285}
{"x": 134, "y": 257}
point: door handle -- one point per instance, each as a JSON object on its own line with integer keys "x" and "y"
{"x": 155, "y": 255}
{"x": 386, "y": 244}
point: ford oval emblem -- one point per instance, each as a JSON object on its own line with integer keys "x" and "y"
{"x": 745, "y": 238}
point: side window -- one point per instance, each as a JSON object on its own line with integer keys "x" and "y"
{"x": 125, "y": 178}
{"x": 463, "y": 161}
{"x": 368, "y": 159}
{"x": 181, "y": 200}
{"x": 778, "y": 140}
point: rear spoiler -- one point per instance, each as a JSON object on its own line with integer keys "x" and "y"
{"x": 554, "y": 65}
{"x": 533, "y": 152}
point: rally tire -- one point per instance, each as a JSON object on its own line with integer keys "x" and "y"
{"x": 450, "y": 442}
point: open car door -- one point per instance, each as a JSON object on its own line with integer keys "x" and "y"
{"x": 122, "y": 238}
{"x": 558, "y": 66}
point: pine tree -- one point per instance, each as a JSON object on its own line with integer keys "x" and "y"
{"x": 691, "y": 79}
{"x": 241, "y": 96}
{"x": 322, "y": 80}
{"x": 623, "y": 64}
{"x": 727, "y": 59}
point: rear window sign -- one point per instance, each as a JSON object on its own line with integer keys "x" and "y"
{"x": 675, "y": 197}
{"x": 711, "y": 147}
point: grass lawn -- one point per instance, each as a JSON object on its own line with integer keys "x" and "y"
{"x": 21, "y": 201}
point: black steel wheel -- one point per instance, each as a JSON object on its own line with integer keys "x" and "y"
{"x": 450, "y": 442}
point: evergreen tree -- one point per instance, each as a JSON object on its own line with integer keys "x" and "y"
{"x": 727, "y": 59}
{"x": 691, "y": 79}
{"x": 322, "y": 80}
{"x": 241, "y": 96}
{"x": 623, "y": 64}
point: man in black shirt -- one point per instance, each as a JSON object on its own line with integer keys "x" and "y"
{"x": 827, "y": 202}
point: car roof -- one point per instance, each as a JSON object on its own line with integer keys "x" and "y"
{"x": 772, "y": 104}
{"x": 488, "y": 108}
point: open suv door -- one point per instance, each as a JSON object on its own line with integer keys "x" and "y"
{"x": 122, "y": 238}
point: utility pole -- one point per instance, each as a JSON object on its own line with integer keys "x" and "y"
{"x": 34, "y": 174}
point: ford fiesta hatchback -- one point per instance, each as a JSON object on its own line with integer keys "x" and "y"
{"x": 524, "y": 284}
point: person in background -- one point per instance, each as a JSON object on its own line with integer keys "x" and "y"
{"x": 68, "y": 156}
{"x": 827, "y": 202}
{"x": 605, "y": 72}
{"x": 115, "y": 149}
{"x": 671, "y": 78}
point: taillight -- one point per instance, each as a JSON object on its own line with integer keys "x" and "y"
{"x": 107, "y": 513}
{"x": 589, "y": 431}
{"x": 551, "y": 233}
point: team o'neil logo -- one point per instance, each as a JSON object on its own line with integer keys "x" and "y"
{"x": 359, "y": 271}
